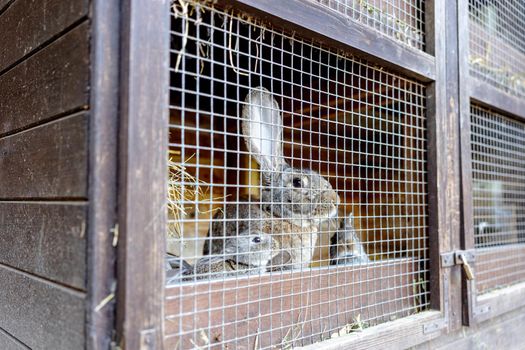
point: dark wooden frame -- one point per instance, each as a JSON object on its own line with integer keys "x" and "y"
{"x": 103, "y": 138}
{"x": 314, "y": 21}
{"x": 480, "y": 307}
{"x": 144, "y": 79}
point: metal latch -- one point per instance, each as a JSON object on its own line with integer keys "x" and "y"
{"x": 459, "y": 257}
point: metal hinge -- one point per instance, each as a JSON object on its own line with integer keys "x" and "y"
{"x": 460, "y": 257}
{"x": 443, "y": 322}
{"x": 147, "y": 339}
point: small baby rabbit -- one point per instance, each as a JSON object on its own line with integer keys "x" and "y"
{"x": 345, "y": 246}
{"x": 248, "y": 253}
{"x": 176, "y": 268}
{"x": 293, "y": 202}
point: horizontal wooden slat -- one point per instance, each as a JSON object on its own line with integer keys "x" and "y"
{"x": 505, "y": 332}
{"x": 52, "y": 82}
{"x": 319, "y": 302}
{"x": 500, "y": 301}
{"x": 45, "y": 239}
{"x": 40, "y": 314}
{"x": 7, "y": 342}
{"x": 27, "y": 24}
{"x": 491, "y": 97}
{"x": 315, "y": 21}
{"x": 499, "y": 266}
{"x": 49, "y": 161}
{"x": 404, "y": 333}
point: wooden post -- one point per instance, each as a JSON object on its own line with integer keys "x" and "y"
{"x": 103, "y": 142}
{"x": 443, "y": 157}
{"x": 143, "y": 172}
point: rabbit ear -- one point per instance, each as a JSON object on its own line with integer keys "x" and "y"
{"x": 280, "y": 261}
{"x": 349, "y": 221}
{"x": 262, "y": 126}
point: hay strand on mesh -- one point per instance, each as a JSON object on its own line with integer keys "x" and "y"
{"x": 185, "y": 192}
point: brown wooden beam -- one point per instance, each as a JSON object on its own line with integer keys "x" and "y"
{"x": 103, "y": 160}
{"x": 311, "y": 20}
{"x": 143, "y": 167}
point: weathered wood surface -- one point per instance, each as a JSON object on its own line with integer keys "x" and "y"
{"x": 103, "y": 160}
{"x": 315, "y": 21}
{"x": 40, "y": 314}
{"x": 312, "y": 304}
{"x": 450, "y": 171}
{"x": 52, "y": 82}
{"x": 400, "y": 334}
{"x": 45, "y": 239}
{"x": 49, "y": 161}
{"x": 28, "y": 24}
{"x": 496, "y": 99}
{"x": 499, "y": 301}
{"x": 44, "y": 79}
{"x": 505, "y": 332}
{"x": 143, "y": 163}
{"x": 7, "y": 342}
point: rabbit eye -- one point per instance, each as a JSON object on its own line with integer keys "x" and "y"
{"x": 297, "y": 183}
{"x": 256, "y": 240}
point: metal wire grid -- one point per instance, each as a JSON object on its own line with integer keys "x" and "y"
{"x": 403, "y": 20}
{"x": 361, "y": 128}
{"x": 497, "y": 43}
{"x": 498, "y": 175}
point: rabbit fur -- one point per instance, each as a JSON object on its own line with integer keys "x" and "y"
{"x": 345, "y": 246}
{"x": 293, "y": 202}
{"x": 248, "y": 253}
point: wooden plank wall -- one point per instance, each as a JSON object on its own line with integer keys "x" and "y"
{"x": 44, "y": 113}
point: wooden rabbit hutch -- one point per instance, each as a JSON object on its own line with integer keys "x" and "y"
{"x": 253, "y": 174}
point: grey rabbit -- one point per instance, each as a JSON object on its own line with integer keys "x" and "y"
{"x": 176, "y": 268}
{"x": 294, "y": 202}
{"x": 345, "y": 246}
{"x": 248, "y": 253}
{"x": 296, "y": 243}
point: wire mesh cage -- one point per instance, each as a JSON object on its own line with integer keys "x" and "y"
{"x": 402, "y": 20}
{"x": 297, "y": 199}
{"x": 498, "y": 189}
{"x": 497, "y": 43}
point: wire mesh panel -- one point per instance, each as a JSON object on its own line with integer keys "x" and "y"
{"x": 403, "y": 20}
{"x": 298, "y": 189}
{"x": 497, "y": 43}
{"x": 498, "y": 175}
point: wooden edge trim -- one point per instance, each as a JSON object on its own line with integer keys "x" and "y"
{"x": 500, "y": 301}
{"x": 143, "y": 145}
{"x": 327, "y": 26}
{"x": 486, "y": 95}
{"x": 404, "y": 333}
{"x": 102, "y": 189}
